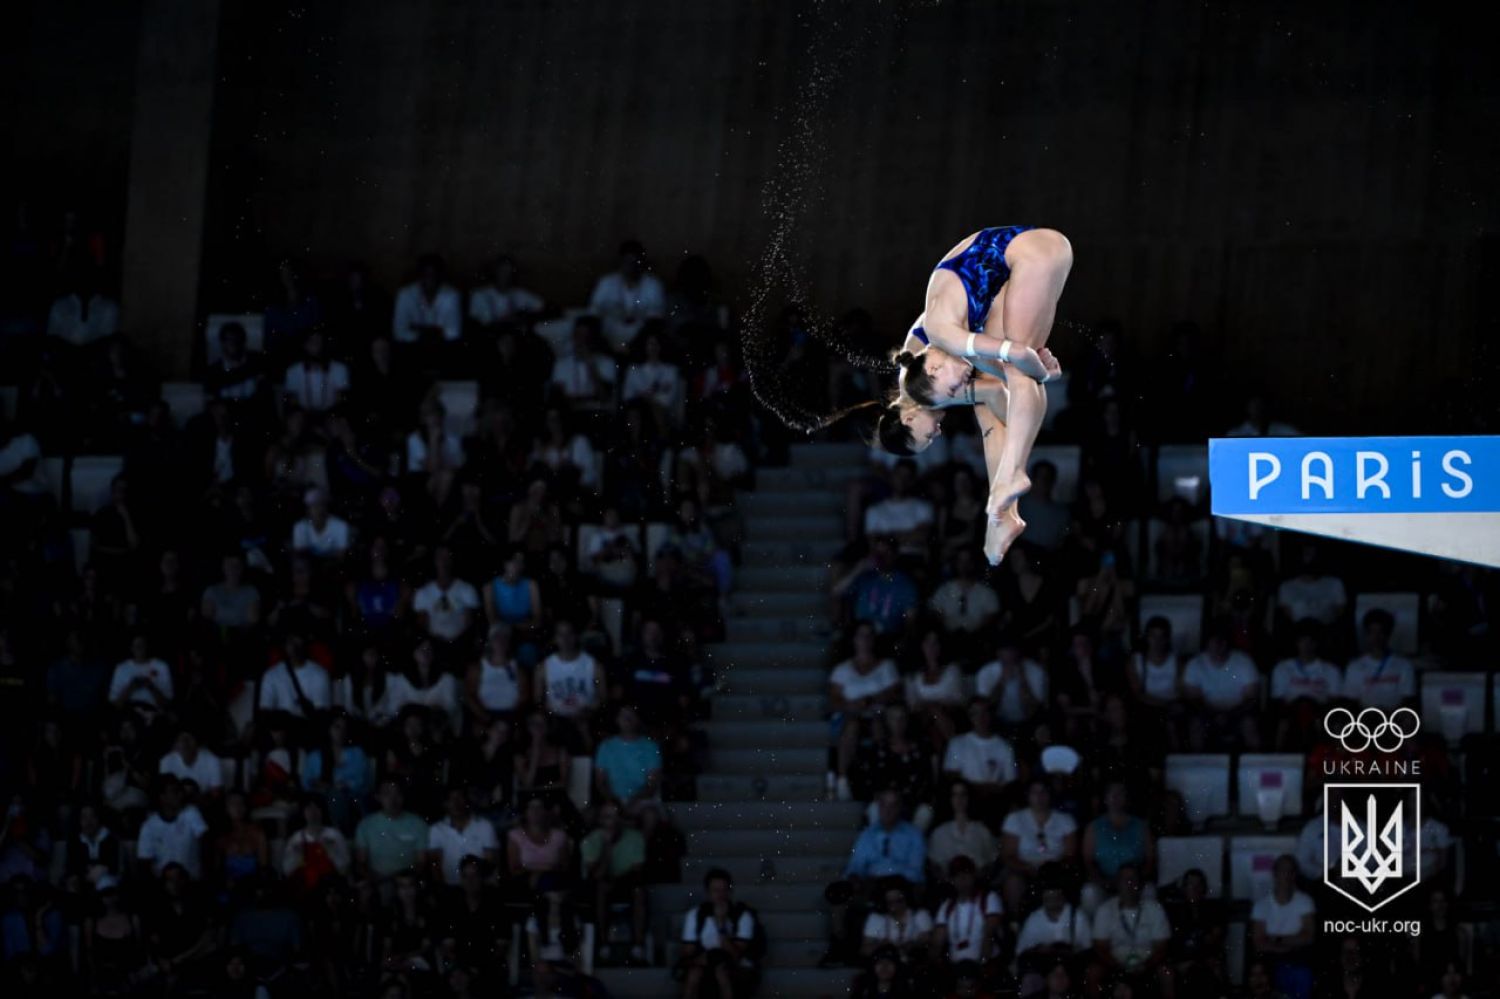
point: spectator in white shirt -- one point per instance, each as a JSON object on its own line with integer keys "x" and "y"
{"x": 84, "y": 314}
{"x": 1037, "y": 834}
{"x": 460, "y": 834}
{"x": 1225, "y": 682}
{"x": 857, "y": 688}
{"x": 499, "y": 299}
{"x": 320, "y": 533}
{"x": 904, "y": 516}
{"x": 316, "y": 383}
{"x": 983, "y": 759}
{"x": 1379, "y": 678}
{"x": 434, "y": 454}
{"x": 1281, "y": 922}
{"x": 967, "y": 605}
{"x": 1015, "y": 684}
{"x": 189, "y": 762}
{"x": 1131, "y": 932}
{"x": 427, "y": 685}
{"x": 446, "y": 606}
{"x": 1054, "y": 930}
{"x": 656, "y": 381}
{"x": 896, "y": 922}
{"x": 172, "y": 834}
{"x": 296, "y": 684}
{"x": 1310, "y": 593}
{"x": 1300, "y": 684}
{"x": 566, "y": 452}
{"x": 587, "y": 377}
{"x": 142, "y": 683}
{"x": 428, "y": 310}
{"x": 965, "y": 926}
{"x": 21, "y": 472}
{"x": 627, "y": 297}
{"x": 715, "y": 937}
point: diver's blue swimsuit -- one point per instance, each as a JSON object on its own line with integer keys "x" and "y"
{"x": 982, "y": 269}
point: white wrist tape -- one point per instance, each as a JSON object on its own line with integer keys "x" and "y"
{"x": 969, "y": 347}
{"x": 1004, "y": 350}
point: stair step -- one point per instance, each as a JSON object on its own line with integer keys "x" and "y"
{"x": 772, "y": 679}
{"x": 746, "y": 870}
{"x": 782, "y": 983}
{"x": 777, "y": 734}
{"x": 796, "y": 527}
{"x": 732, "y": 657}
{"x": 766, "y": 898}
{"x": 779, "y": 629}
{"x": 769, "y": 707}
{"x": 769, "y": 815}
{"x": 808, "y": 580}
{"x": 763, "y": 604}
{"x": 771, "y": 842}
{"x": 809, "y": 477}
{"x": 759, "y": 787}
{"x": 794, "y": 502}
{"x": 828, "y": 455}
{"x": 766, "y": 760}
{"x": 776, "y": 553}
{"x": 797, "y": 927}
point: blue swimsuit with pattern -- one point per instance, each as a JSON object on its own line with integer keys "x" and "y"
{"x": 982, "y": 268}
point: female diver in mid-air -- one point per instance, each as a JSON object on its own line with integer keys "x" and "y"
{"x": 1016, "y": 275}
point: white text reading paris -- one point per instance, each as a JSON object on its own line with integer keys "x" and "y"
{"x": 1370, "y": 471}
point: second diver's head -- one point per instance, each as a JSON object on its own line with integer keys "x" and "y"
{"x": 908, "y": 430}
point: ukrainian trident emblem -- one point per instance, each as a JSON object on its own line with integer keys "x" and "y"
{"x": 1369, "y": 862}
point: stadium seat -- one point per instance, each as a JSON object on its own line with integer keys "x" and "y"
{"x": 1066, "y": 457}
{"x": 460, "y": 401}
{"x": 1184, "y": 611}
{"x": 656, "y": 536}
{"x": 1203, "y": 781}
{"x": 1154, "y": 530}
{"x": 1057, "y": 399}
{"x": 1182, "y": 470}
{"x": 255, "y": 333}
{"x": 55, "y": 471}
{"x": 91, "y": 478}
{"x": 581, "y": 782}
{"x": 612, "y": 616}
{"x": 184, "y": 399}
{"x": 1404, "y": 607}
{"x": 1453, "y": 704}
{"x": 1176, "y": 855}
{"x": 1270, "y": 786}
{"x": 1251, "y": 861}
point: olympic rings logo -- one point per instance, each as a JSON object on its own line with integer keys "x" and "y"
{"x": 1370, "y": 727}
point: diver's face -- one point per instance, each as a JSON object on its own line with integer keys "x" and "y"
{"x": 950, "y": 377}
{"x": 926, "y": 426}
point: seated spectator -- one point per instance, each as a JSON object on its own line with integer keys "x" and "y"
{"x": 612, "y": 554}
{"x": 966, "y": 925}
{"x": 899, "y": 761}
{"x": 1302, "y": 684}
{"x": 657, "y": 381}
{"x": 193, "y": 765}
{"x": 889, "y": 846}
{"x": 316, "y": 851}
{"x": 295, "y": 684}
{"x": 566, "y": 454}
{"x": 544, "y": 764}
{"x": 232, "y": 604}
{"x": 83, "y": 314}
{"x": 91, "y": 853}
{"x": 377, "y": 600}
{"x": 320, "y": 533}
{"x": 1155, "y": 677}
{"x": 498, "y": 299}
{"x": 434, "y": 454}
{"x": 473, "y": 922}
{"x": 178, "y": 930}
{"x": 425, "y": 684}
{"x": 1016, "y": 685}
{"x": 967, "y": 605}
{"x": 885, "y": 975}
{"x": 586, "y": 379}
{"x": 627, "y": 766}
{"x": 877, "y": 592}
{"x": 896, "y": 922}
{"x": 241, "y": 850}
{"x": 1225, "y": 682}
{"x": 316, "y": 383}
{"x": 239, "y": 376}
{"x": 1116, "y": 839}
{"x": 983, "y": 759}
{"x": 705, "y": 559}
{"x": 340, "y": 772}
{"x": 1282, "y": 929}
{"x": 904, "y": 517}
{"x": 459, "y": 834}
{"x": 1047, "y": 518}
{"x": 1379, "y": 678}
{"x": 267, "y": 928}
{"x": 172, "y": 834}
{"x": 391, "y": 840}
{"x": 935, "y": 690}
{"x": 1178, "y": 554}
{"x": 446, "y": 606}
{"x": 571, "y": 681}
{"x": 535, "y": 847}
{"x": 628, "y": 296}
{"x": 1054, "y": 931}
{"x": 1311, "y": 593}
{"x": 408, "y": 928}
{"x": 656, "y": 680}
{"x": 553, "y": 938}
{"x": 1038, "y": 834}
{"x": 1199, "y": 927}
{"x": 497, "y": 685}
{"x": 857, "y": 687}
{"x": 612, "y": 857}
{"x": 722, "y": 942}
{"x": 1105, "y": 601}
{"x": 961, "y": 523}
{"x": 961, "y": 836}
{"x": 142, "y": 683}
{"x": 1131, "y": 934}
{"x": 113, "y": 945}
{"x": 536, "y": 525}
{"x": 428, "y": 312}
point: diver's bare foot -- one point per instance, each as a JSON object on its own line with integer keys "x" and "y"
{"x": 1000, "y": 535}
{"x": 1003, "y": 494}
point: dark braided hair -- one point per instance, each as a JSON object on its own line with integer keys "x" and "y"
{"x": 914, "y": 378}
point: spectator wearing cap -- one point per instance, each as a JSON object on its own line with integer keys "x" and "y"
{"x": 460, "y": 834}
{"x": 320, "y": 533}
{"x": 966, "y": 925}
{"x": 982, "y": 758}
{"x": 1131, "y": 933}
{"x": 961, "y": 836}
{"x": 1225, "y": 683}
{"x": 1379, "y": 678}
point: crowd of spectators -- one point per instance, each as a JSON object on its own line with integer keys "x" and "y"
{"x": 341, "y": 693}
{"x": 1010, "y": 727}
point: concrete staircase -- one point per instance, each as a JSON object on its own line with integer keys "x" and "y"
{"x": 760, "y": 811}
